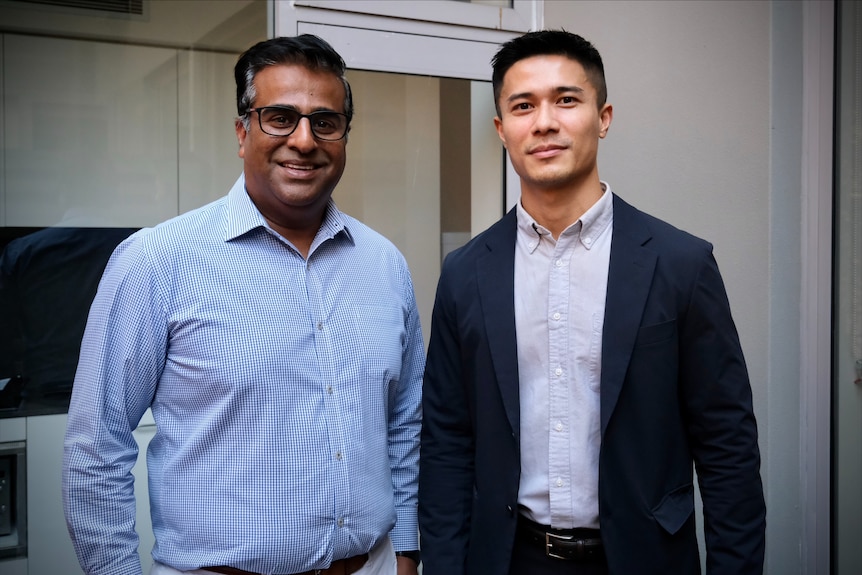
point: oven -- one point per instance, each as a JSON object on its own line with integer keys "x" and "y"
{"x": 13, "y": 499}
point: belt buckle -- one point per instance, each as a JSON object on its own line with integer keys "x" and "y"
{"x": 549, "y": 544}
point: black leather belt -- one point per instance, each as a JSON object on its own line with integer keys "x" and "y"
{"x": 339, "y": 567}
{"x": 581, "y": 545}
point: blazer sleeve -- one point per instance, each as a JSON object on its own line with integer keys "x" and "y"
{"x": 719, "y": 416}
{"x": 446, "y": 469}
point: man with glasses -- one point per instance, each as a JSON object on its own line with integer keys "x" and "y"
{"x": 277, "y": 341}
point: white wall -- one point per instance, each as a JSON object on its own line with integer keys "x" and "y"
{"x": 706, "y": 135}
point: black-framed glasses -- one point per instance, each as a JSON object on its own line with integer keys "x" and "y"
{"x": 282, "y": 121}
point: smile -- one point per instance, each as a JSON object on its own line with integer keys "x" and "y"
{"x": 299, "y": 169}
{"x": 294, "y": 166}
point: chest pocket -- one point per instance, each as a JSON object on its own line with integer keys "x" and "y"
{"x": 656, "y": 333}
{"x": 381, "y": 334}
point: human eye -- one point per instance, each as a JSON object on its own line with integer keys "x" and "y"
{"x": 324, "y": 122}
{"x": 279, "y": 118}
{"x": 568, "y": 100}
{"x": 327, "y": 123}
{"x": 521, "y": 107}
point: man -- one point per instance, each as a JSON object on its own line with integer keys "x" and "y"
{"x": 277, "y": 341}
{"x": 582, "y": 357}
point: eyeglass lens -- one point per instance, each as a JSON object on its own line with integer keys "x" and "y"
{"x": 277, "y": 121}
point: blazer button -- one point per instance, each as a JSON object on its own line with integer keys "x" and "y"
{"x": 510, "y": 510}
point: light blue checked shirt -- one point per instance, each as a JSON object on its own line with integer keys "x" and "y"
{"x": 286, "y": 395}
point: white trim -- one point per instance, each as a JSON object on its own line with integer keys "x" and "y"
{"x": 383, "y": 51}
{"x": 449, "y": 35}
{"x": 519, "y": 18}
{"x": 816, "y": 285}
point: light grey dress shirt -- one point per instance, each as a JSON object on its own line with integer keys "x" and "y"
{"x": 560, "y": 288}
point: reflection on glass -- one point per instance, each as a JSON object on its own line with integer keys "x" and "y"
{"x": 48, "y": 278}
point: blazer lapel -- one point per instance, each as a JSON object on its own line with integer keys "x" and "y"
{"x": 496, "y": 280}
{"x": 629, "y": 278}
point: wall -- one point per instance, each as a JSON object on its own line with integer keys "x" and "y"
{"x": 694, "y": 88}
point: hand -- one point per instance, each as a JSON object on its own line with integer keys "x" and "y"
{"x": 407, "y": 566}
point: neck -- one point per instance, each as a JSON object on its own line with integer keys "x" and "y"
{"x": 557, "y": 209}
{"x": 300, "y": 231}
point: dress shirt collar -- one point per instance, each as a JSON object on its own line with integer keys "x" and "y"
{"x": 588, "y": 227}
{"x": 242, "y": 216}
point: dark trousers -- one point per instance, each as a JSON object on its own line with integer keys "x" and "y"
{"x": 530, "y": 559}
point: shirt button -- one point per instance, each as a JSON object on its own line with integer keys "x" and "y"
{"x": 559, "y": 482}
{"x": 338, "y": 455}
{"x": 559, "y": 426}
{"x": 558, "y": 371}
{"x": 329, "y": 389}
{"x": 557, "y": 315}
{"x": 340, "y": 521}
{"x": 558, "y": 263}
{"x": 588, "y": 241}
{"x": 320, "y": 325}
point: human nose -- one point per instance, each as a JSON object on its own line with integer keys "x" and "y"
{"x": 545, "y": 119}
{"x": 302, "y": 138}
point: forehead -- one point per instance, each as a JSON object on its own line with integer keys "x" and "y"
{"x": 545, "y": 72}
{"x": 297, "y": 85}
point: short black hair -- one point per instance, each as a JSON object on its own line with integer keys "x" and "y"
{"x": 550, "y": 43}
{"x": 307, "y": 50}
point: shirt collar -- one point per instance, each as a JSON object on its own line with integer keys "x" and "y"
{"x": 588, "y": 227}
{"x": 242, "y": 216}
{"x": 529, "y": 232}
{"x": 596, "y": 219}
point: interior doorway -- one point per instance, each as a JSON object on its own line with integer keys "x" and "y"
{"x": 425, "y": 167}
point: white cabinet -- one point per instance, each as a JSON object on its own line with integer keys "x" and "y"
{"x": 144, "y": 526}
{"x": 90, "y": 133}
{"x": 97, "y": 134}
{"x": 50, "y": 550}
{"x": 209, "y": 163}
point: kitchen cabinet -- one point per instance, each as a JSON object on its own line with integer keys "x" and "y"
{"x": 50, "y": 548}
{"x": 98, "y": 134}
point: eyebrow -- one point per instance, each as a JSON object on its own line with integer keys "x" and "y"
{"x": 296, "y": 109}
{"x": 558, "y": 90}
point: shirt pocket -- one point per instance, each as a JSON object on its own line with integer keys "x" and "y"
{"x": 382, "y": 334}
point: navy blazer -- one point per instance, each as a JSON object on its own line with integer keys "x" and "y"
{"x": 674, "y": 392}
